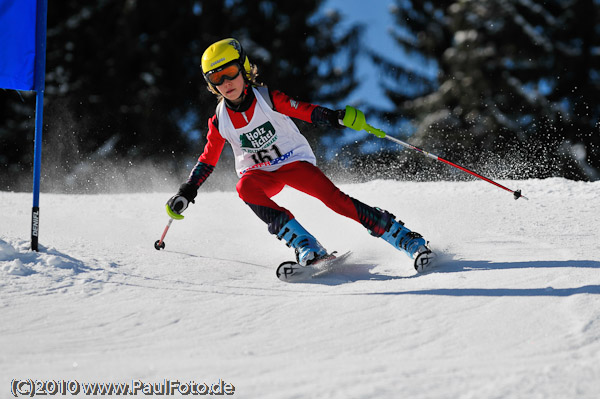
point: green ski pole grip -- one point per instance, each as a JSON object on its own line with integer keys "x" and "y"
{"x": 355, "y": 119}
{"x": 172, "y": 213}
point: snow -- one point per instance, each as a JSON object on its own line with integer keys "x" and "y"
{"x": 514, "y": 312}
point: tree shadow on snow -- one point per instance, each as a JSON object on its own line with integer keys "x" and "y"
{"x": 354, "y": 272}
{"x": 457, "y": 266}
{"x": 498, "y": 292}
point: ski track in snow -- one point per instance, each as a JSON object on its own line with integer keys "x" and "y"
{"x": 513, "y": 311}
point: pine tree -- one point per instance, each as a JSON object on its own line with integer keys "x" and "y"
{"x": 576, "y": 87}
{"x": 124, "y": 84}
{"x": 505, "y": 71}
{"x": 423, "y": 36}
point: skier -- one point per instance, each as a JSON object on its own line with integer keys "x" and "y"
{"x": 270, "y": 153}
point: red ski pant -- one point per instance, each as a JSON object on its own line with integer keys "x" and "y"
{"x": 257, "y": 187}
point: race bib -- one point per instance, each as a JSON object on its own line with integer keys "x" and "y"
{"x": 259, "y": 138}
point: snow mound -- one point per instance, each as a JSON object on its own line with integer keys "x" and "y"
{"x": 16, "y": 258}
{"x": 16, "y": 268}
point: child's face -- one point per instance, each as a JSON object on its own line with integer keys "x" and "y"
{"x": 232, "y": 89}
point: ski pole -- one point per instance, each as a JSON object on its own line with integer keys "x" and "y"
{"x": 160, "y": 244}
{"x": 355, "y": 119}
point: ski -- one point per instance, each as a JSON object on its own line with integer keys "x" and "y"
{"x": 291, "y": 271}
{"x": 425, "y": 260}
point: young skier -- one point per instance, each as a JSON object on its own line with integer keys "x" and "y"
{"x": 270, "y": 153}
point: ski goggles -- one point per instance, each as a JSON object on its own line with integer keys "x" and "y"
{"x": 226, "y": 72}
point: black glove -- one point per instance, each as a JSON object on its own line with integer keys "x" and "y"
{"x": 180, "y": 201}
{"x": 326, "y": 116}
{"x": 337, "y": 118}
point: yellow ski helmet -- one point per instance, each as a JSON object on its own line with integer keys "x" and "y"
{"x": 222, "y": 53}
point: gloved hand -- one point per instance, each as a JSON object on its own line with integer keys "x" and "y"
{"x": 326, "y": 116}
{"x": 175, "y": 205}
{"x": 336, "y": 118}
{"x": 180, "y": 201}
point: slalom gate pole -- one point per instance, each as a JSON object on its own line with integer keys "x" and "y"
{"x": 355, "y": 119}
{"x": 39, "y": 87}
{"x": 160, "y": 244}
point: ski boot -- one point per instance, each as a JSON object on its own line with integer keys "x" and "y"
{"x": 308, "y": 249}
{"x": 409, "y": 242}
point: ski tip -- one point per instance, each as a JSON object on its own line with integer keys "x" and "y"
{"x": 291, "y": 271}
{"x": 424, "y": 260}
{"x": 286, "y": 270}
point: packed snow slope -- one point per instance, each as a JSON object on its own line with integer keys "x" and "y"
{"x": 513, "y": 311}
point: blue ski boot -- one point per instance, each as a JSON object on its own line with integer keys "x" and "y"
{"x": 308, "y": 249}
{"x": 411, "y": 243}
